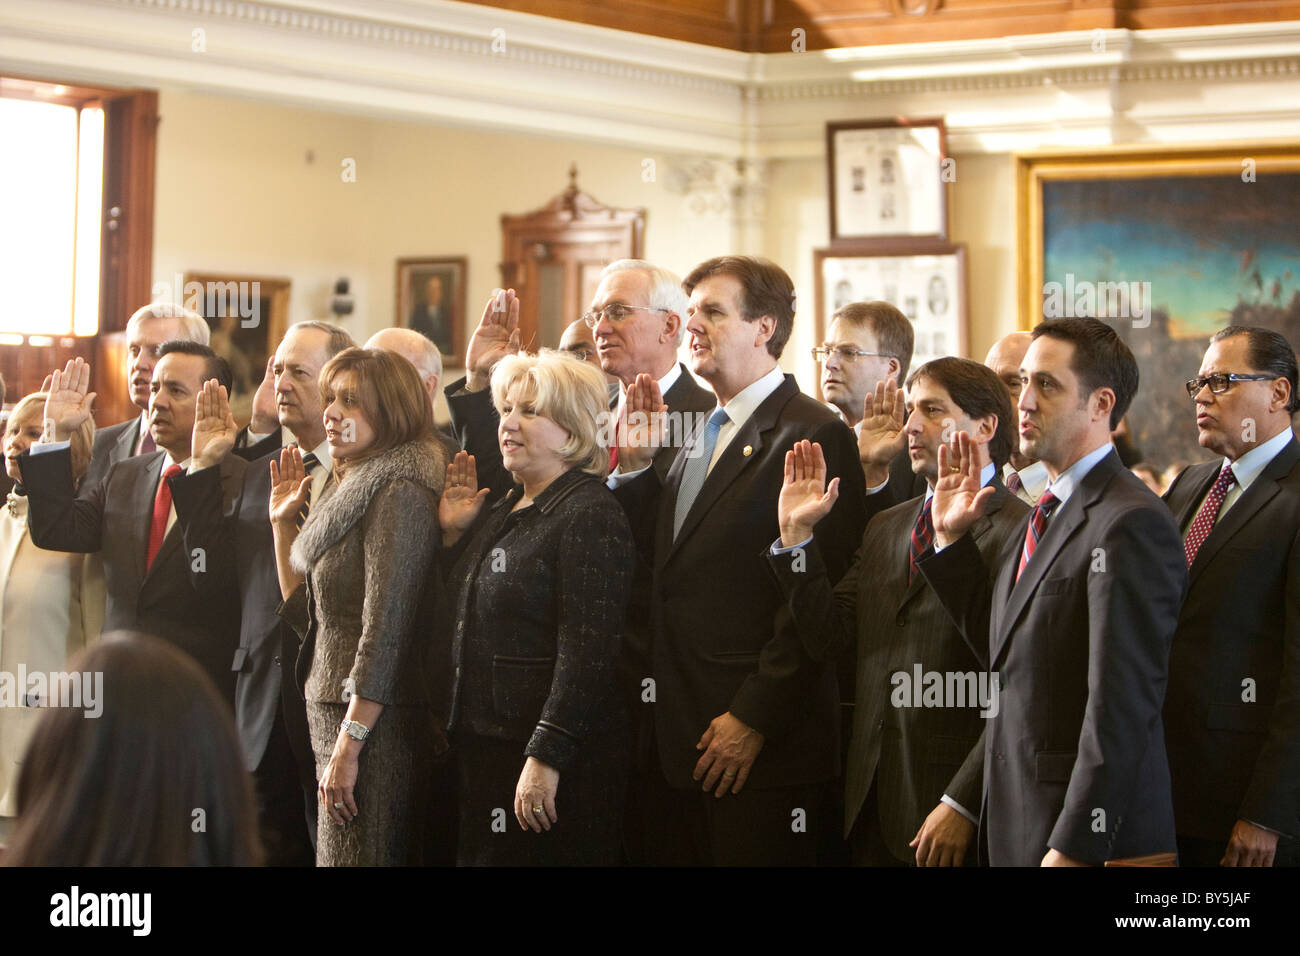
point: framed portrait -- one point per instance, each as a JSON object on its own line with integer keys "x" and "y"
{"x": 887, "y": 180}
{"x": 248, "y": 316}
{"x": 927, "y": 284}
{"x": 1168, "y": 245}
{"x": 431, "y": 300}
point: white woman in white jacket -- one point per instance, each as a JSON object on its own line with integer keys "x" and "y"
{"x": 50, "y": 605}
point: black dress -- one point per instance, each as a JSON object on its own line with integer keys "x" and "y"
{"x": 536, "y": 639}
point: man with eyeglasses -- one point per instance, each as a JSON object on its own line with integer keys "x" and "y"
{"x": 1232, "y": 711}
{"x": 868, "y": 346}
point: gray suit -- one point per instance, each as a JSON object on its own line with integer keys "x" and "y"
{"x": 912, "y": 755}
{"x": 112, "y": 444}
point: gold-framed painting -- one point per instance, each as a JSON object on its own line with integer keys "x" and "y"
{"x": 1168, "y": 244}
{"x": 431, "y": 300}
{"x": 248, "y": 316}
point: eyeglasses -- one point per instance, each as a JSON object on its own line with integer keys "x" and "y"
{"x": 1220, "y": 382}
{"x": 616, "y": 312}
{"x": 583, "y": 352}
{"x": 844, "y": 353}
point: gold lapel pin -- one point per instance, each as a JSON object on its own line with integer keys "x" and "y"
{"x": 749, "y": 450}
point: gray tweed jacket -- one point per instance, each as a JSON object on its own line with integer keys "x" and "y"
{"x": 367, "y": 550}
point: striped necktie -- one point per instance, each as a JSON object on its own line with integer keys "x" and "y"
{"x": 309, "y": 462}
{"x": 1037, "y": 524}
{"x": 922, "y": 538}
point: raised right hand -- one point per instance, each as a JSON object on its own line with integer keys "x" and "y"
{"x": 215, "y": 430}
{"x": 496, "y": 336}
{"x": 881, "y": 438}
{"x": 805, "y": 497}
{"x": 290, "y": 486}
{"x": 67, "y": 405}
{"x": 641, "y": 427}
{"x": 462, "y": 499}
{"x": 959, "y": 501}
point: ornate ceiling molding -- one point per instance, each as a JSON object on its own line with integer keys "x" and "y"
{"x": 465, "y": 64}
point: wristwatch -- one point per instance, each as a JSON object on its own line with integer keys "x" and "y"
{"x": 354, "y": 729}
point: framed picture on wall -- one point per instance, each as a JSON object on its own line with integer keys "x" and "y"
{"x": 927, "y": 283}
{"x": 888, "y": 180}
{"x": 1167, "y": 245}
{"x": 248, "y": 316}
{"x": 431, "y": 300}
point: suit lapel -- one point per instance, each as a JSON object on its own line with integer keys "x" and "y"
{"x": 127, "y": 440}
{"x": 979, "y": 529}
{"x": 1198, "y": 490}
{"x": 1260, "y": 492}
{"x": 141, "y": 496}
{"x": 1060, "y": 529}
{"x": 732, "y": 462}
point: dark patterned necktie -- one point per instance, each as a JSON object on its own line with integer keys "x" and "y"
{"x": 1037, "y": 525}
{"x": 1203, "y": 523}
{"x": 922, "y": 538}
{"x": 308, "y": 463}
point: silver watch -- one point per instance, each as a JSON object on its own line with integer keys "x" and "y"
{"x": 354, "y": 729}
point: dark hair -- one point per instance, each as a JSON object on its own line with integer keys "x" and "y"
{"x": 978, "y": 392}
{"x": 390, "y": 391}
{"x": 216, "y": 366}
{"x": 125, "y": 788}
{"x": 1101, "y": 359}
{"x": 338, "y": 340}
{"x": 1267, "y": 351}
{"x": 765, "y": 289}
{"x": 892, "y": 329}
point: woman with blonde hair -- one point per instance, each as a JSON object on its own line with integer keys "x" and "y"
{"x": 49, "y": 605}
{"x": 354, "y": 583}
{"x": 543, "y": 579}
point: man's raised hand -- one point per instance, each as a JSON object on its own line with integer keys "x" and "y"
{"x": 641, "y": 424}
{"x": 67, "y": 405}
{"x": 496, "y": 336}
{"x": 881, "y": 437}
{"x": 805, "y": 497}
{"x": 215, "y": 430}
{"x": 959, "y": 501}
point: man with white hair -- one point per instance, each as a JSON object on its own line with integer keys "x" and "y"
{"x": 423, "y": 353}
{"x": 149, "y": 327}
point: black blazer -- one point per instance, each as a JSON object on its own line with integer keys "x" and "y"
{"x": 718, "y": 644}
{"x": 904, "y": 485}
{"x": 113, "y": 518}
{"x": 260, "y": 449}
{"x": 542, "y": 596}
{"x": 474, "y": 428}
{"x": 245, "y": 563}
{"x": 1234, "y": 748}
{"x": 112, "y": 444}
{"x": 1075, "y": 758}
{"x": 914, "y": 755}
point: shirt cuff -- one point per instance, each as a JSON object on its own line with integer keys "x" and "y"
{"x": 959, "y": 808}
{"x": 41, "y": 447}
{"x": 1262, "y": 827}
{"x": 778, "y": 550}
{"x": 879, "y": 488}
{"x": 617, "y": 478}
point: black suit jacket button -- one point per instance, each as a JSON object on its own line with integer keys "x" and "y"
{"x": 901, "y": 620}
{"x": 277, "y": 660}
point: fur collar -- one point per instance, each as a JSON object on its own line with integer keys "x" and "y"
{"x": 422, "y": 462}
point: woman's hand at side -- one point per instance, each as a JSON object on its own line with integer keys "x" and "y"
{"x": 339, "y": 780}
{"x": 535, "y": 796}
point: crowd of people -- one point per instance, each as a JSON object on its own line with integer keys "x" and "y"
{"x": 634, "y": 610}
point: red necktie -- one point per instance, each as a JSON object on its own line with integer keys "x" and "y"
{"x": 1203, "y": 523}
{"x": 162, "y": 509}
{"x": 1037, "y": 524}
{"x": 922, "y": 538}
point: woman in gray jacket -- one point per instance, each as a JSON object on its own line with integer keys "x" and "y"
{"x": 354, "y": 583}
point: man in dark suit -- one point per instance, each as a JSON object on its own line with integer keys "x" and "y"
{"x": 1079, "y": 618}
{"x": 739, "y": 708}
{"x": 270, "y": 714}
{"x": 263, "y": 434}
{"x": 129, "y": 517}
{"x": 867, "y": 345}
{"x": 1232, "y": 714}
{"x": 148, "y": 328}
{"x": 915, "y": 772}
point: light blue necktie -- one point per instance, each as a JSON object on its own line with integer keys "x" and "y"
{"x": 697, "y": 469}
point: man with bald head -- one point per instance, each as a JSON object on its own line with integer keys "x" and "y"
{"x": 424, "y": 355}
{"x": 577, "y": 340}
{"x": 1024, "y": 477}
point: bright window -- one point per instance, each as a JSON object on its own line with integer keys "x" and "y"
{"x": 51, "y": 171}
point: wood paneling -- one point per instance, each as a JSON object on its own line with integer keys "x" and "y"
{"x": 766, "y": 26}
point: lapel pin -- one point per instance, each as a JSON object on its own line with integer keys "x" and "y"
{"x": 749, "y": 450}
